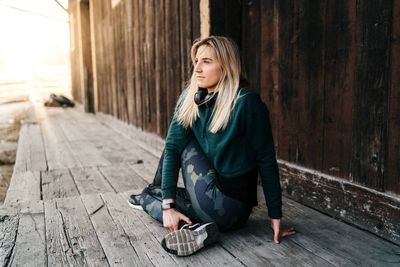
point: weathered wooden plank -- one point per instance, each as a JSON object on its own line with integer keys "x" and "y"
{"x": 251, "y": 44}
{"x": 123, "y": 178}
{"x": 140, "y": 237}
{"x": 160, "y": 66}
{"x": 24, "y": 187}
{"x": 370, "y": 104}
{"x": 58, "y": 153}
{"x": 8, "y": 234}
{"x": 151, "y": 141}
{"x": 129, "y": 146}
{"x": 87, "y": 154}
{"x": 30, "y": 152}
{"x": 129, "y": 56}
{"x": 70, "y": 236}
{"x": 253, "y": 245}
{"x": 147, "y": 172}
{"x": 90, "y": 181}
{"x": 69, "y": 127}
{"x": 286, "y": 34}
{"x": 58, "y": 184}
{"x": 113, "y": 238}
{"x": 358, "y": 205}
{"x": 136, "y": 46}
{"x": 214, "y": 255}
{"x": 30, "y": 244}
{"x": 392, "y": 166}
{"x": 117, "y": 153}
{"x": 339, "y": 87}
{"x": 195, "y": 15}
{"x": 339, "y": 243}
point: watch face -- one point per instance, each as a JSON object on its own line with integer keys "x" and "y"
{"x": 166, "y": 206}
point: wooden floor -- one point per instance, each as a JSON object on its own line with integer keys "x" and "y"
{"x": 67, "y": 206}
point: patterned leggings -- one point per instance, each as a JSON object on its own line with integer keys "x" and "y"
{"x": 200, "y": 200}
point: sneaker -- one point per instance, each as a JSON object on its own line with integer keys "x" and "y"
{"x": 134, "y": 201}
{"x": 190, "y": 239}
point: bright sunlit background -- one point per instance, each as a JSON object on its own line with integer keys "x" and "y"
{"x": 34, "y": 48}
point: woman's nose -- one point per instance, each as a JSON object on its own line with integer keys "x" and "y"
{"x": 197, "y": 68}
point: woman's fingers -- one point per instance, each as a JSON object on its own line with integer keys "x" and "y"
{"x": 288, "y": 232}
{"x": 186, "y": 219}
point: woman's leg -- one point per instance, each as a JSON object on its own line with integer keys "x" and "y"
{"x": 209, "y": 203}
{"x": 152, "y": 198}
{"x": 200, "y": 200}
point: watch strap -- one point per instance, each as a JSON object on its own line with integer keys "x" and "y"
{"x": 167, "y": 206}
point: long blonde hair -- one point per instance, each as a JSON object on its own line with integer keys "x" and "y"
{"x": 227, "y": 55}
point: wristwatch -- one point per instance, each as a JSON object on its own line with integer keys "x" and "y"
{"x": 167, "y": 206}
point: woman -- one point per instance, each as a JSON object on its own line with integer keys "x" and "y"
{"x": 220, "y": 136}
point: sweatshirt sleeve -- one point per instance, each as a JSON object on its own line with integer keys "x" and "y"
{"x": 262, "y": 143}
{"x": 176, "y": 141}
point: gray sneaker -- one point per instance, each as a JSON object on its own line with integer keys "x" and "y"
{"x": 190, "y": 238}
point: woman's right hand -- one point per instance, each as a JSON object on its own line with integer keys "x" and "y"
{"x": 171, "y": 218}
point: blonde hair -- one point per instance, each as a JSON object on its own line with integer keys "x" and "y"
{"x": 227, "y": 55}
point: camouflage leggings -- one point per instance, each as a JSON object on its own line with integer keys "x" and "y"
{"x": 200, "y": 200}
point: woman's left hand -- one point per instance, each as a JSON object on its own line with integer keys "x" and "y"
{"x": 276, "y": 226}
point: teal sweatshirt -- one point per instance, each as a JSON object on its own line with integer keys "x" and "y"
{"x": 245, "y": 144}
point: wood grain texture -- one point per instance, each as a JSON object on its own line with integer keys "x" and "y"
{"x": 358, "y": 205}
{"x": 58, "y": 184}
{"x": 392, "y": 166}
{"x": 114, "y": 240}
{"x": 371, "y": 94}
{"x": 133, "y": 40}
{"x": 70, "y": 236}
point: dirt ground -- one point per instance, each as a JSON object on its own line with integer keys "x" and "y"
{"x": 11, "y": 119}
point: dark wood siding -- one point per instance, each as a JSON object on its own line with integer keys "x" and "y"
{"x": 142, "y": 58}
{"x": 328, "y": 72}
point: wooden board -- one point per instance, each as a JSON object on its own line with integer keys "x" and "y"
{"x": 24, "y": 187}
{"x": 211, "y": 256}
{"x": 58, "y": 184}
{"x": 140, "y": 237}
{"x": 30, "y": 152}
{"x": 90, "y": 181}
{"x": 30, "y": 244}
{"x": 8, "y": 234}
{"x": 114, "y": 240}
{"x": 123, "y": 178}
{"x": 70, "y": 236}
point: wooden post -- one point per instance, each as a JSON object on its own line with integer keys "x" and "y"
{"x": 85, "y": 54}
{"x": 93, "y": 50}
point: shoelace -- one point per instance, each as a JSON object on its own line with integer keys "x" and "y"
{"x": 190, "y": 226}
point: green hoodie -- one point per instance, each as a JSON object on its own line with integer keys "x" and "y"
{"x": 245, "y": 144}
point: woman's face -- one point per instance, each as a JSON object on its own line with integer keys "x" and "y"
{"x": 207, "y": 69}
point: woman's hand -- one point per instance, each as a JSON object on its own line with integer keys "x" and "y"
{"x": 171, "y": 218}
{"x": 276, "y": 226}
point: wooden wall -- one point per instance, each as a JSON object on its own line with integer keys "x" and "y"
{"x": 329, "y": 73}
{"x": 141, "y": 58}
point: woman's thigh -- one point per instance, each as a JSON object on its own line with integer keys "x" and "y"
{"x": 209, "y": 203}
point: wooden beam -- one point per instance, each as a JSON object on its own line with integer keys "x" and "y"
{"x": 366, "y": 208}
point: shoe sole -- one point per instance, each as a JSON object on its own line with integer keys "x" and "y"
{"x": 136, "y": 207}
{"x": 186, "y": 242}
